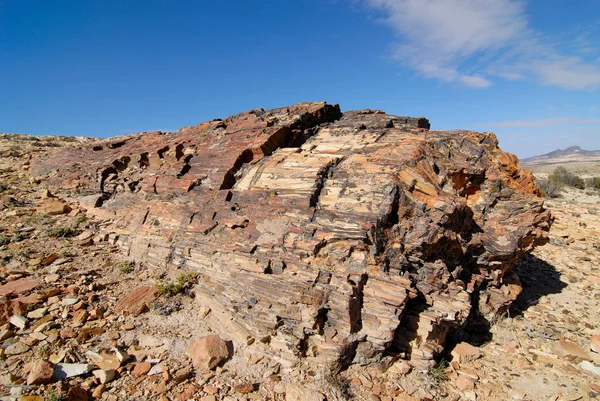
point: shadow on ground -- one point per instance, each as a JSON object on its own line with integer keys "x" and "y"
{"x": 539, "y": 278}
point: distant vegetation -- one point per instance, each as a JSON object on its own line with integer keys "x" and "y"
{"x": 560, "y": 178}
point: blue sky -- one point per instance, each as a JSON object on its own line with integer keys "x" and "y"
{"x": 527, "y": 70}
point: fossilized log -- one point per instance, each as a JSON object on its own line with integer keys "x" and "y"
{"x": 345, "y": 237}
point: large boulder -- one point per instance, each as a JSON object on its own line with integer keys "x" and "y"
{"x": 341, "y": 237}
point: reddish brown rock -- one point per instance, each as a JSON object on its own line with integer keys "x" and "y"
{"x": 342, "y": 237}
{"x": 137, "y": 301}
{"x": 141, "y": 368}
{"x": 208, "y": 352}
{"x": 40, "y": 372}
{"x": 19, "y": 286}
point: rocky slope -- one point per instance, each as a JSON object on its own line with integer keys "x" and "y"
{"x": 325, "y": 248}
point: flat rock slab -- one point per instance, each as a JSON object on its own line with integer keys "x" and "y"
{"x": 137, "y": 301}
{"x": 19, "y": 286}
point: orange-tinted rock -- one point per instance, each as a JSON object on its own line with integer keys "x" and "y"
{"x": 208, "y": 352}
{"x": 349, "y": 235}
{"x": 40, "y": 372}
{"x": 19, "y": 286}
{"x": 137, "y": 301}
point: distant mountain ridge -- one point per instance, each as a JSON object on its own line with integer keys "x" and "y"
{"x": 568, "y": 155}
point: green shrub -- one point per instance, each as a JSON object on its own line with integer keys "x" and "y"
{"x": 593, "y": 183}
{"x": 4, "y": 240}
{"x": 62, "y": 232}
{"x": 127, "y": 267}
{"x": 183, "y": 283}
{"x": 54, "y": 396}
{"x": 562, "y": 176}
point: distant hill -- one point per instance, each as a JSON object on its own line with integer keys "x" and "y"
{"x": 569, "y": 155}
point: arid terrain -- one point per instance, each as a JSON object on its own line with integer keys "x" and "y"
{"x": 80, "y": 320}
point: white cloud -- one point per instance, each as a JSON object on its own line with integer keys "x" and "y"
{"x": 471, "y": 41}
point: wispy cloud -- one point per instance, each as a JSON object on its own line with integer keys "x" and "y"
{"x": 546, "y": 122}
{"x": 470, "y": 42}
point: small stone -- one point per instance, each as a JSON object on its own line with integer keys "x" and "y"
{"x": 141, "y": 369}
{"x": 570, "y": 350}
{"x": 208, "y": 398}
{"x": 208, "y": 352}
{"x": 19, "y": 321}
{"x": 464, "y": 383}
{"x": 213, "y": 390}
{"x": 244, "y": 388}
{"x": 137, "y": 301}
{"x": 98, "y": 391}
{"x": 465, "y": 352}
{"x": 590, "y": 368}
{"x": 595, "y": 344}
{"x": 37, "y": 313}
{"x": 187, "y": 394}
{"x": 128, "y": 326}
{"x": 17, "y": 348}
{"x": 298, "y": 393}
{"x": 69, "y": 301}
{"x": 157, "y": 369}
{"x": 52, "y": 278}
{"x": 66, "y": 370}
{"x": 104, "y": 375}
{"x": 104, "y": 360}
{"x": 204, "y": 311}
{"x": 40, "y": 372}
{"x": 76, "y": 393}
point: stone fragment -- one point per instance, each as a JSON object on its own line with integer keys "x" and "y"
{"x": 66, "y": 370}
{"x": 571, "y": 350}
{"x": 208, "y": 352}
{"x": 295, "y": 392}
{"x": 40, "y": 372}
{"x": 54, "y": 207}
{"x": 137, "y": 301}
{"x": 595, "y": 343}
{"x": 590, "y": 368}
{"x": 245, "y": 388}
{"x": 19, "y": 286}
{"x": 17, "y": 348}
{"x": 465, "y": 352}
{"x": 141, "y": 368}
{"x": 19, "y": 321}
{"x": 76, "y": 393}
{"x": 104, "y": 360}
{"x": 104, "y": 375}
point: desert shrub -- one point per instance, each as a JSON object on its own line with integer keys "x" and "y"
{"x": 62, "y": 232}
{"x": 183, "y": 283}
{"x": 4, "y": 240}
{"x": 562, "y": 176}
{"x": 551, "y": 189}
{"x": 127, "y": 267}
{"x": 593, "y": 183}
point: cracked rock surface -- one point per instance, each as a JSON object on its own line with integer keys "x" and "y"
{"x": 339, "y": 238}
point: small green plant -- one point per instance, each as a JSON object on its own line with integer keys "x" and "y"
{"x": 62, "y": 232}
{"x": 81, "y": 219}
{"x": 183, "y": 283}
{"x": 4, "y": 240}
{"x": 127, "y": 267}
{"x": 436, "y": 375}
{"x": 18, "y": 237}
{"x": 54, "y": 396}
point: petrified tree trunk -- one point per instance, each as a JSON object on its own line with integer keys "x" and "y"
{"x": 345, "y": 237}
